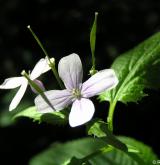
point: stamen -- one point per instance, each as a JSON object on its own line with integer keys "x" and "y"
{"x": 76, "y": 93}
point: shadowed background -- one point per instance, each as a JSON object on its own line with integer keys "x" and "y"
{"x": 64, "y": 27}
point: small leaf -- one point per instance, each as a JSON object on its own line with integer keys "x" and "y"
{"x": 62, "y": 154}
{"x": 100, "y": 129}
{"x": 136, "y": 69}
{"x": 52, "y": 118}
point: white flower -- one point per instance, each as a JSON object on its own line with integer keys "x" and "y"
{"x": 14, "y": 82}
{"x": 71, "y": 73}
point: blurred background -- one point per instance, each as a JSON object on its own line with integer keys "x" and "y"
{"x": 64, "y": 27}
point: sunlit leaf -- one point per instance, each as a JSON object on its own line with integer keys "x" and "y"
{"x": 52, "y": 118}
{"x": 136, "y": 69}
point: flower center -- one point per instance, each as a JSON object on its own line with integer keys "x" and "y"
{"x": 76, "y": 93}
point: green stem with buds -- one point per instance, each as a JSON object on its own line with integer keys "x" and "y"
{"x": 37, "y": 88}
{"x": 51, "y": 63}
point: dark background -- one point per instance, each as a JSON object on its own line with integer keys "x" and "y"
{"x": 64, "y": 27}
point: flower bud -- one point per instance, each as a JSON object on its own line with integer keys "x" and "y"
{"x": 40, "y": 85}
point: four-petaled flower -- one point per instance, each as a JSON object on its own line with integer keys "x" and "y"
{"x": 71, "y": 72}
{"x": 14, "y": 82}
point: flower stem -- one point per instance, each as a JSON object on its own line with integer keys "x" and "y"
{"x": 54, "y": 70}
{"x": 37, "y": 89}
{"x": 38, "y": 41}
{"x": 51, "y": 64}
{"x": 110, "y": 115}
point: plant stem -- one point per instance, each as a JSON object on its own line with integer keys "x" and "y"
{"x": 100, "y": 151}
{"x": 38, "y": 41}
{"x": 51, "y": 64}
{"x": 110, "y": 115}
{"x": 54, "y": 70}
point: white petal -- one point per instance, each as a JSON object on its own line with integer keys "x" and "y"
{"x": 58, "y": 98}
{"x": 12, "y": 82}
{"x": 81, "y": 112}
{"x": 41, "y": 67}
{"x": 70, "y": 71}
{"x": 17, "y": 98}
{"x": 101, "y": 81}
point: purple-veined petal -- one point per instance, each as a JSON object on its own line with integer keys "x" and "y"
{"x": 58, "y": 98}
{"x": 101, "y": 81}
{"x": 41, "y": 67}
{"x": 17, "y": 98}
{"x": 70, "y": 71}
{"x": 12, "y": 82}
{"x": 81, "y": 112}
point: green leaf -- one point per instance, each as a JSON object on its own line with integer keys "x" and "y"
{"x": 99, "y": 128}
{"x": 77, "y": 150}
{"x": 136, "y": 69}
{"x": 145, "y": 152}
{"x": 52, "y": 118}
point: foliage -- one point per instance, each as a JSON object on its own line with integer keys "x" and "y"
{"x": 99, "y": 128}
{"x": 58, "y": 118}
{"x": 80, "y": 151}
{"x": 136, "y": 69}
